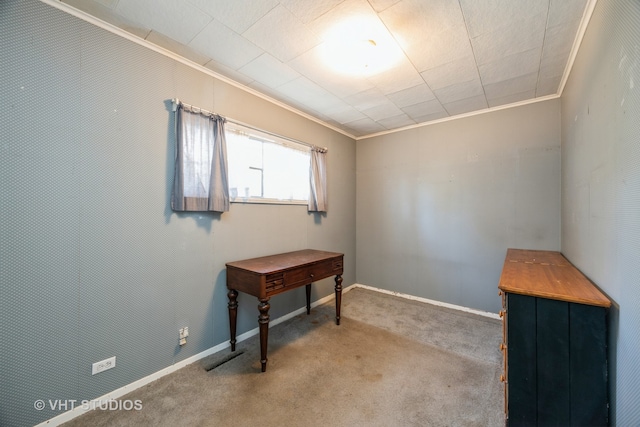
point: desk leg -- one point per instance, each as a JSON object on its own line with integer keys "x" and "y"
{"x": 233, "y": 316}
{"x": 338, "y": 297}
{"x": 263, "y": 321}
{"x": 309, "y": 298}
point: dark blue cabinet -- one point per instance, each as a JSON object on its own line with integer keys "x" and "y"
{"x": 555, "y": 343}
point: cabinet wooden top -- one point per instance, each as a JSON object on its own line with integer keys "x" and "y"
{"x": 548, "y": 274}
{"x": 274, "y": 263}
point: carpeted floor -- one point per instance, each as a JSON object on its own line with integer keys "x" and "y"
{"x": 391, "y": 362}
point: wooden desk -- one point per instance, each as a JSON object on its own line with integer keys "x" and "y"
{"x": 267, "y": 276}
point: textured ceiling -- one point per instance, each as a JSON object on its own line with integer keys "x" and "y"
{"x": 456, "y": 56}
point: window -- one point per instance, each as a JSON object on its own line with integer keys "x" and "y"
{"x": 218, "y": 161}
{"x": 264, "y": 168}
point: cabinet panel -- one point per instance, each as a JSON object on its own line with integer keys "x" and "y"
{"x": 521, "y": 351}
{"x": 588, "y": 365}
{"x": 552, "y": 326}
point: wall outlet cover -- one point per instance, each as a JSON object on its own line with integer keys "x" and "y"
{"x": 103, "y": 365}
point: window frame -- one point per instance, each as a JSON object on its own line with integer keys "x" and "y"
{"x": 266, "y": 137}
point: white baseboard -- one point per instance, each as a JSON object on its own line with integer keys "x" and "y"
{"x": 115, "y": 394}
{"x": 428, "y": 301}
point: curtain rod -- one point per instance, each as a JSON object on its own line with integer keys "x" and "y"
{"x": 177, "y": 102}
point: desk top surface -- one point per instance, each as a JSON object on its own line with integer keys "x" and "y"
{"x": 280, "y": 262}
{"x": 548, "y": 274}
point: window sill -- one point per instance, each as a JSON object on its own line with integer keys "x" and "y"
{"x": 261, "y": 201}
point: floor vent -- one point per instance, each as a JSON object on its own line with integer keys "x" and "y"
{"x": 224, "y": 360}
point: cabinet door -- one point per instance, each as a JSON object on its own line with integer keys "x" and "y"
{"x": 588, "y": 349}
{"x": 554, "y": 391}
{"x": 522, "y": 369}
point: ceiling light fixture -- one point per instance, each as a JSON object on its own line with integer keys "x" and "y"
{"x": 360, "y": 48}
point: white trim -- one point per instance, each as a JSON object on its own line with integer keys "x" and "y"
{"x": 266, "y": 201}
{"x": 145, "y": 43}
{"x": 115, "y": 394}
{"x": 462, "y": 116}
{"x": 427, "y": 301}
{"x": 588, "y": 12}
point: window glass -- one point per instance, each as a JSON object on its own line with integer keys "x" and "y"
{"x": 266, "y": 169}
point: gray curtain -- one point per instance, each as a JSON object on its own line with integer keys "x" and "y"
{"x": 201, "y": 178}
{"x": 318, "y": 191}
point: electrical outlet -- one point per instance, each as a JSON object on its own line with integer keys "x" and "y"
{"x": 103, "y": 365}
{"x": 184, "y": 333}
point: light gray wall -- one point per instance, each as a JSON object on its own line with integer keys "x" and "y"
{"x": 93, "y": 263}
{"x": 438, "y": 206}
{"x": 601, "y": 184}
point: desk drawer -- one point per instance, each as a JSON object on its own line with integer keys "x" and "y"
{"x": 311, "y": 273}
